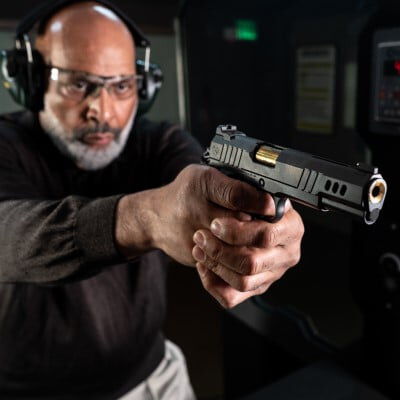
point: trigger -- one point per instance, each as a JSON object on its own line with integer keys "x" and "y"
{"x": 280, "y": 203}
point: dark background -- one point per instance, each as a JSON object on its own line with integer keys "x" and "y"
{"x": 341, "y": 291}
{"x": 152, "y": 15}
{"x": 337, "y": 285}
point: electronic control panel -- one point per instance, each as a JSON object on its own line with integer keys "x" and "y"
{"x": 385, "y": 99}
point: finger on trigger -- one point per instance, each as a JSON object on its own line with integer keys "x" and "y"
{"x": 235, "y": 194}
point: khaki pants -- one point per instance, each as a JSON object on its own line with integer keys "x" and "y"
{"x": 169, "y": 381}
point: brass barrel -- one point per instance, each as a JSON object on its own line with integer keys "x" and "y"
{"x": 267, "y": 156}
{"x": 377, "y": 191}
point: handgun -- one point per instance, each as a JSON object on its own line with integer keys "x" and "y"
{"x": 285, "y": 173}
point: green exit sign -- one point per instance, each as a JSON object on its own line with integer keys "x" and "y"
{"x": 246, "y": 29}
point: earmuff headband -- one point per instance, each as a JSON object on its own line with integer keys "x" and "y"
{"x": 48, "y": 9}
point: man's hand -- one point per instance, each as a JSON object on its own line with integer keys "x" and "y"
{"x": 242, "y": 259}
{"x": 194, "y": 199}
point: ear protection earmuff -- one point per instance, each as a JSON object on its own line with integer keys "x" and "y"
{"x": 23, "y": 68}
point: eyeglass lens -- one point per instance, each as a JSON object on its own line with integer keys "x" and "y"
{"x": 78, "y": 86}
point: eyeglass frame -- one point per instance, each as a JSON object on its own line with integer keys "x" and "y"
{"x": 102, "y": 81}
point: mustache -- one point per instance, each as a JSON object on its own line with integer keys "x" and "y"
{"x": 79, "y": 133}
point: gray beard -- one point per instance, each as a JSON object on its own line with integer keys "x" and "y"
{"x": 80, "y": 153}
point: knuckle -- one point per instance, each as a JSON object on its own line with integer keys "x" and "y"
{"x": 292, "y": 258}
{"x": 271, "y": 236}
{"x": 245, "y": 284}
{"x": 229, "y": 234}
{"x": 232, "y": 237}
{"x": 230, "y": 304}
{"x": 301, "y": 228}
{"x": 243, "y": 266}
{"x": 227, "y": 193}
{"x": 254, "y": 265}
{"x": 228, "y": 301}
{"x": 206, "y": 178}
{"x": 206, "y": 174}
{"x": 262, "y": 238}
{"x": 248, "y": 265}
{"x": 216, "y": 251}
{"x": 267, "y": 237}
{"x": 295, "y": 258}
{"x": 211, "y": 264}
{"x": 222, "y": 188}
{"x": 235, "y": 196}
{"x": 262, "y": 289}
{"x": 299, "y": 225}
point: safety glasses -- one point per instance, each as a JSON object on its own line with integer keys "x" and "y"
{"x": 78, "y": 85}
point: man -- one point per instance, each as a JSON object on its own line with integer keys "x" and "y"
{"x": 82, "y": 302}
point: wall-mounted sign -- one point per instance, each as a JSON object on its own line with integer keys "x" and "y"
{"x": 315, "y": 88}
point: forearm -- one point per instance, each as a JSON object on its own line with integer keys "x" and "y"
{"x": 56, "y": 241}
{"x": 50, "y": 241}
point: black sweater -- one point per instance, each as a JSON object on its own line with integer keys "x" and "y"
{"x": 76, "y": 321}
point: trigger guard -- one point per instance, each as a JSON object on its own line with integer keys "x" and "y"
{"x": 280, "y": 203}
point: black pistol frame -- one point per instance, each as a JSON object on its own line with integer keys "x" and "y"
{"x": 286, "y": 173}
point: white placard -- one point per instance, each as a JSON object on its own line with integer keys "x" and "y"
{"x": 315, "y": 88}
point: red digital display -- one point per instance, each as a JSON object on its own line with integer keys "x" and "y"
{"x": 392, "y": 68}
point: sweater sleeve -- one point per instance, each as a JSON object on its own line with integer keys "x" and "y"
{"x": 48, "y": 241}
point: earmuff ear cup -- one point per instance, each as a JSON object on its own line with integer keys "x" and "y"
{"x": 23, "y": 79}
{"x": 150, "y": 86}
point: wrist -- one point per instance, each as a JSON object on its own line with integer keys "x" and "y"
{"x": 136, "y": 223}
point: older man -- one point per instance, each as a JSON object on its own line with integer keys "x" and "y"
{"x": 86, "y": 192}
